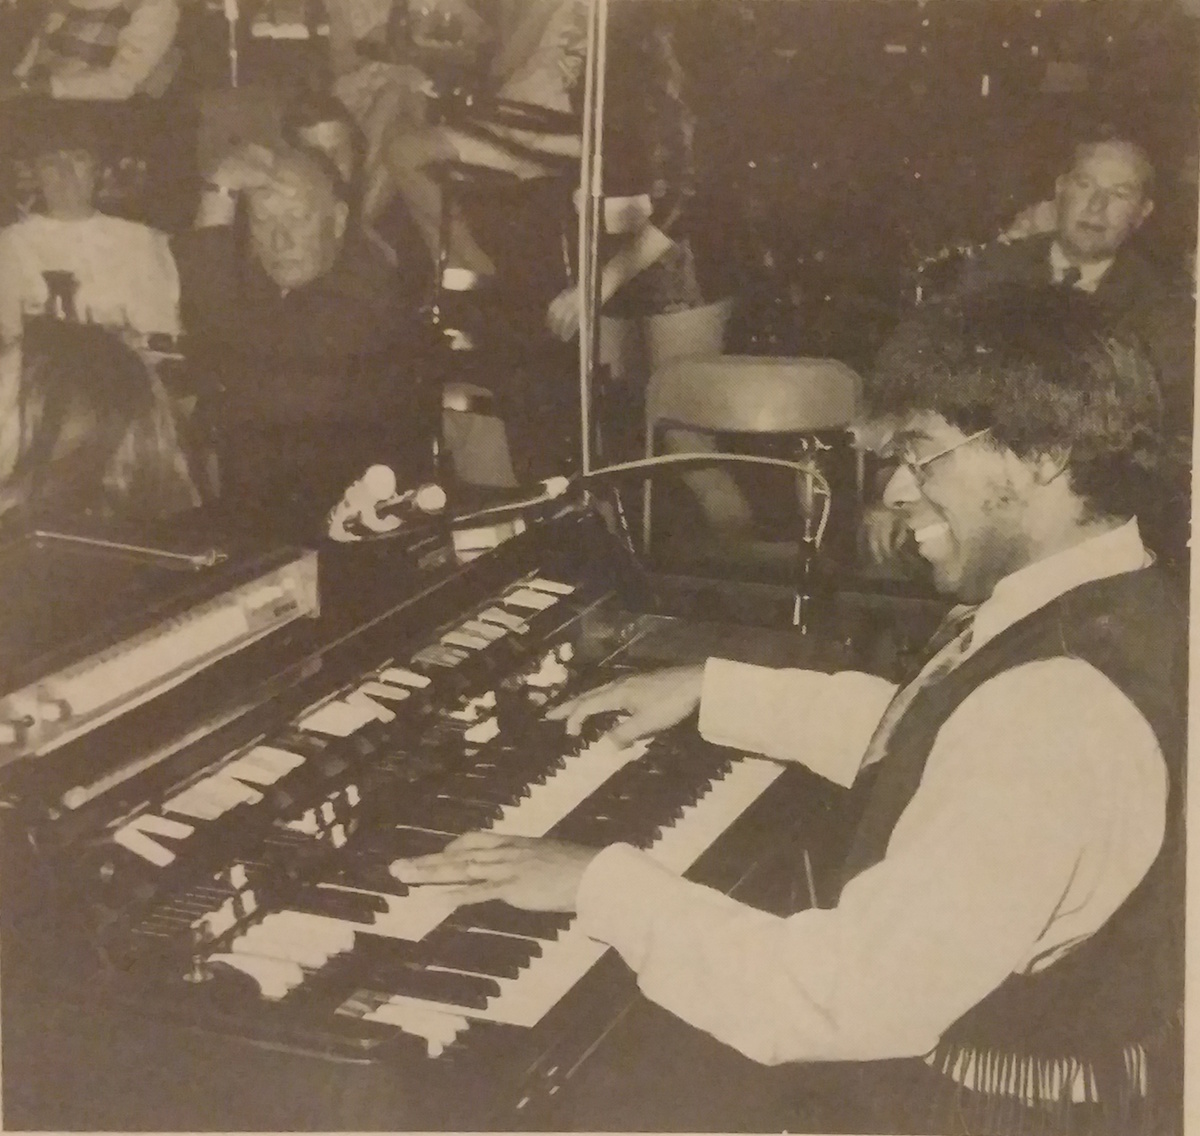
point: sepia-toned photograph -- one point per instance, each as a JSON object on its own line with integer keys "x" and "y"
{"x": 596, "y": 565}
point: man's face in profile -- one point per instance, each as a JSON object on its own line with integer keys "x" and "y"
{"x": 296, "y": 229}
{"x": 1102, "y": 200}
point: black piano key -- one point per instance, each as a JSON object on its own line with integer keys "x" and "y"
{"x": 443, "y": 815}
{"x": 502, "y": 956}
{"x": 497, "y": 916}
{"x": 486, "y": 811}
{"x": 373, "y": 875}
{"x": 445, "y": 986}
{"x": 352, "y": 906}
{"x": 387, "y": 844}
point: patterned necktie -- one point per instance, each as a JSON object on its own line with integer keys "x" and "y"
{"x": 946, "y": 649}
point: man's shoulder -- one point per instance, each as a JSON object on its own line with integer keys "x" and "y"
{"x": 1140, "y": 278}
{"x": 362, "y": 272}
{"x": 1003, "y": 262}
{"x": 128, "y": 232}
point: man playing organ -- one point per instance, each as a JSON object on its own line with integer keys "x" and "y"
{"x": 1004, "y": 951}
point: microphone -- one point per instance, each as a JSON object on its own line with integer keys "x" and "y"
{"x": 371, "y": 507}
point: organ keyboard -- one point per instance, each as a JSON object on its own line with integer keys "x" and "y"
{"x": 239, "y": 884}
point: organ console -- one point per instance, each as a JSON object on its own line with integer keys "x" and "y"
{"x": 214, "y": 909}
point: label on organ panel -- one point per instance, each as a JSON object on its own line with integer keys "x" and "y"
{"x": 527, "y": 597}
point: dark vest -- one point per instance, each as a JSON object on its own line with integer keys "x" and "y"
{"x": 1118, "y": 995}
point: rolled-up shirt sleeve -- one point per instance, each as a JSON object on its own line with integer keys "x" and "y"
{"x": 1026, "y": 833}
{"x": 822, "y": 721}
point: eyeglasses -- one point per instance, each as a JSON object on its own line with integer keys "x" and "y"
{"x": 917, "y": 466}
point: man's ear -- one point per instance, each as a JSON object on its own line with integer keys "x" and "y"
{"x": 341, "y": 216}
{"x": 1147, "y": 209}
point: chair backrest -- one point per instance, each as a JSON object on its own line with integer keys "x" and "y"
{"x": 753, "y": 394}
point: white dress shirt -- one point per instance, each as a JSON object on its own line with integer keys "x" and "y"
{"x": 1090, "y": 274}
{"x": 1041, "y": 806}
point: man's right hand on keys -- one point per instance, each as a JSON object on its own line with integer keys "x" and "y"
{"x": 653, "y": 702}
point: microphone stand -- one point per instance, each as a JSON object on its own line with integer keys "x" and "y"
{"x": 590, "y": 220}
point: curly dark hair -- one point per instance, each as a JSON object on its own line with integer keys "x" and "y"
{"x": 1037, "y": 368}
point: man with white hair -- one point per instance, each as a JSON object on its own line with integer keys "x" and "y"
{"x": 310, "y": 341}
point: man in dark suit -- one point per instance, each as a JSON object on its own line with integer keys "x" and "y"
{"x": 1083, "y": 241}
{"x": 1099, "y": 204}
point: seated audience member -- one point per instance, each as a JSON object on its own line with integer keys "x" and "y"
{"x": 309, "y": 341}
{"x": 1001, "y": 948}
{"x": 1084, "y": 241}
{"x": 95, "y": 432}
{"x": 99, "y": 269}
{"x": 1100, "y": 203}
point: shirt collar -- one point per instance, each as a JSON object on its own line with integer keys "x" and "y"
{"x": 1032, "y": 587}
{"x": 1090, "y": 275}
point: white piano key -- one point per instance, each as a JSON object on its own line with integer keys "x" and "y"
{"x": 566, "y": 789}
{"x": 526, "y": 999}
{"x": 683, "y": 842}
